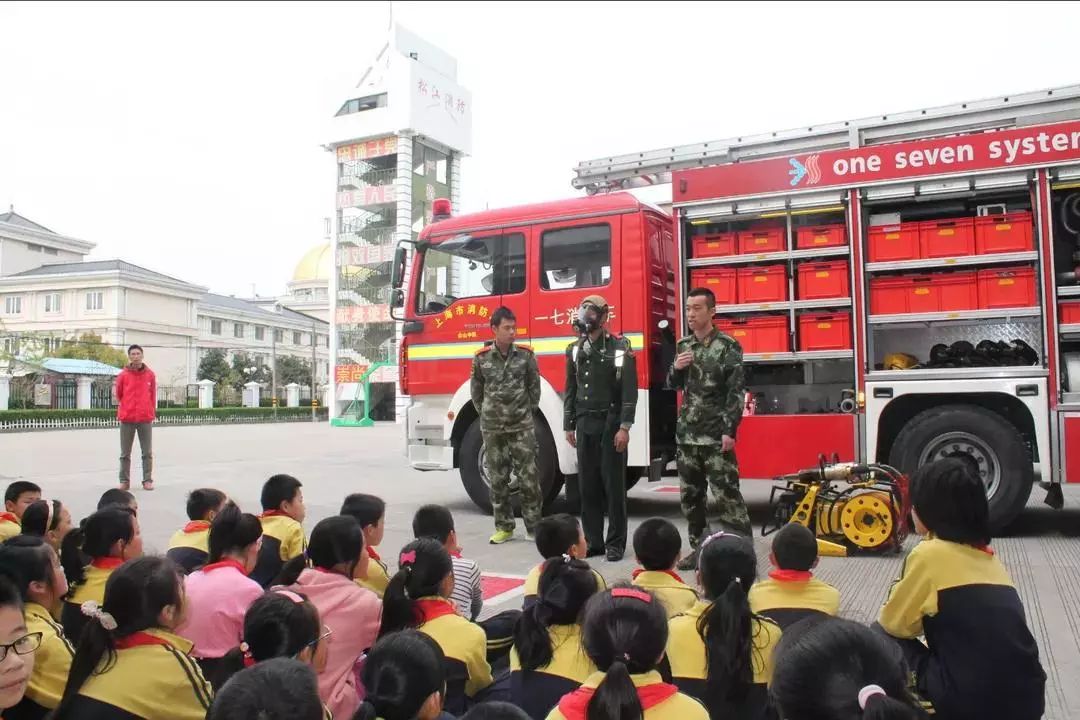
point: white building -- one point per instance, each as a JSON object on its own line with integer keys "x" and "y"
{"x": 176, "y": 322}
{"x": 397, "y": 138}
{"x": 24, "y": 245}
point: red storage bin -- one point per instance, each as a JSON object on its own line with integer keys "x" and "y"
{"x": 1069, "y": 313}
{"x": 941, "y": 292}
{"x": 889, "y": 243}
{"x": 947, "y": 238}
{"x": 763, "y": 284}
{"x": 720, "y": 280}
{"x": 758, "y": 333}
{"x": 1006, "y": 288}
{"x": 715, "y": 245}
{"x": 824, "y": 331}
{"x": 820, "y": 236}
{"x": 824, "y": 280}
{"x": 1003, "y": 233}
{"x": 761, "y": 240}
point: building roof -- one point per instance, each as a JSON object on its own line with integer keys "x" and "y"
{"x": 71, "y": 366}
{"x": 90, "y": 266}
{"x": 14, "y": 218}
{"x": 236, "y": 304}
{"x": 316, "y": 265}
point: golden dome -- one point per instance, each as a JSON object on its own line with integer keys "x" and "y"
{"x": 316, "y": 265}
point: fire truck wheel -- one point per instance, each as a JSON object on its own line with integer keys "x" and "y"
{"x": 990, "y": 442}
{"x": 474, "y": 477}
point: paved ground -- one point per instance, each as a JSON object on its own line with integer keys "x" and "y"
{"x": 1043, "y": 555}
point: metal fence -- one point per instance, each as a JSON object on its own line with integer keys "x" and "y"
{"x": 178, "y": 396}
{"x": 24, "y": 424}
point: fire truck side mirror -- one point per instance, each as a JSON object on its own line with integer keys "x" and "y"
{"x": 397, "y": 270}
{"x": 397, "y": 301}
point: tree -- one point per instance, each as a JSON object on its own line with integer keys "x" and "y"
{"x": 291, "y": 369}
{"x": 213, "y": 366}
{"x": 90, "y": 347}
{"x": 246, "y": 369}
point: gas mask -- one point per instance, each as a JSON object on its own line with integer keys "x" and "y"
{"x": 589, "y": 317}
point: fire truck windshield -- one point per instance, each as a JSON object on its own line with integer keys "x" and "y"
{"x": 467, "y": 267}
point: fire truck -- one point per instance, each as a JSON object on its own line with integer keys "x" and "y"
{"x": 905, "y": 287}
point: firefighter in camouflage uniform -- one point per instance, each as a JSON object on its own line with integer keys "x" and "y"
{"x": 708, "y": 368}
{"x": 505, "y": 388}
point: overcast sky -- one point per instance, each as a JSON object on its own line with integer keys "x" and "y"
{"x": 185, "y": 137}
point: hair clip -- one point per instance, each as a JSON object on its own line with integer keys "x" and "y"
{"x": 295, "y": 597}
{"x": 566, "y": 558}
{"x": 868, "y": 692}
{"x": 631, "y": 593}
{"x": 245, "y": 651}
{"x": 91, "y": 609}
{"x": 407, "y": 557}
{"x": 49, "y": 515}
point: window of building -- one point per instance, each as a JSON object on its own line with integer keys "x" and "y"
{"x": 279, "y": 336}
{"x": 13, "y": 305}
{"x": 326, "y": 339}
{"x": 50, "y": 251}
{"x": 95, "y": 300}
{"x": 260, "y": 332}
{"x": 52, "y": 303}
{"x": 238, "y": 330}
{"x": 576, "y": 257}
{"x": 296, "y": 338}
{"x": 356, "y": 105}
{"x": 466, "y": 266}
{"x": 215, "y": 327}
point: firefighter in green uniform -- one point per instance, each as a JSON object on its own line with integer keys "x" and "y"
{"x": 598, "y": 411}
{"x": 505, "y": 390}
{"x": 708, "y": 368}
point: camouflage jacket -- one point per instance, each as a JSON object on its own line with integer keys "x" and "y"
{"x": 505, "y": 390}
{"x": 601, "y": 380}
{"x": 713, "y": 386}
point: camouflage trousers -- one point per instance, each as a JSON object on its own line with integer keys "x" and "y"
{"x": 513, "y": 452}
{"x": 702, "y": 467}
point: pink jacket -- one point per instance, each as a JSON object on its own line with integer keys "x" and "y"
{"x": 218, "y": 597}
{"x": 353, "y": 615}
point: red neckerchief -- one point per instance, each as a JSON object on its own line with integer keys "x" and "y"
{"x": 575, "y": 705}
{"x": 273, "y": 513}
{"x": 432, "y": 608}
{"x": 10, "y": 517}
{"x": 791, "y": 575}
{"x": 196, "y": 526}
{"x": 107, "y": 563}
{"x": 139, "y": 639}
{"x": 672, "y": 573}
{"x": 984, "y": 548}
{"x": 371, "y": 553}
{"x": 228, "y": 562}
{"x": 456, "y": 554}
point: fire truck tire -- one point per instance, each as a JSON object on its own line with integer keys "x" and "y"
{"x": 990, "y": 441}
{"x": 474, "y": 478}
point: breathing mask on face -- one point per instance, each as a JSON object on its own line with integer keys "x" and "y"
{"x": 590, "y": 316}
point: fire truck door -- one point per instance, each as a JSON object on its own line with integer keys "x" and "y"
{"x": 575, "y": 259}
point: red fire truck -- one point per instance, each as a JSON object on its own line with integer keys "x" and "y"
{"x": 905, "y": 288}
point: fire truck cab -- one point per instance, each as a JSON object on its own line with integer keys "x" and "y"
{"x": 540, "y": 261}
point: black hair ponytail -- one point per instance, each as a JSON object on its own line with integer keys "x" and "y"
{"x": 36, "y": 518}
{"x": 25, "y": 559}
{"x": 94, "y": 538}
{"x": 135, "y": 595}
{"x": 336, "y": 540}
{"x": 232, "y": 531}
{"x": 565, "y": 586}
{"x": 849, "y": 660}
{"x": 625, "y": 633}
{"x": 422, "y": 566}
{"x": 728, "y": 568}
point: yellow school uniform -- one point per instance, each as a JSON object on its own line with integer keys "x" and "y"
{"x": 283, "y": 539}
{"x": 9, "y": 526}
{"x": 659, "y": 700}
{"x": 532, "y": 584}
{"x": 791, "y": 595}
{"x": 377, "y": 575}
{"x": 676, "y": 596}
{"x": 52, "y": 664}
{"x": 93, "y": 588}
{"x": 464, "y": 645}
{"x": 190, "y": 545}
{"x": 537, "y": 691}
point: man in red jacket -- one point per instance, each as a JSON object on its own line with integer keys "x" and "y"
{"x": 136, "y": 393}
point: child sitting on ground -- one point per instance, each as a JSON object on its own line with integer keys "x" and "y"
{"x": 557, "y": 535}
{"x": 370, "y": 512}
{"x": 278, "y": 689}
{"x": 128, "y": 662}
{"x": 118, "y": 498}
{"x": 792, "y": 592}
{"x": 980, "y": 659}
{"x": 283, "y": 534}
{"x": 418, "y": 597}
{"x": 405, "y": 677}
{"x": 437, "y": 523}
{"x": 188, "y": 547}
{"x": 49, "y": 520}
{"x": 18, "y": 496}
{"x": 657, "y": 546}
{"x": 836, "y": 669}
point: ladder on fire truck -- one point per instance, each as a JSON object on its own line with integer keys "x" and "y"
{"x": 654, "y": 167}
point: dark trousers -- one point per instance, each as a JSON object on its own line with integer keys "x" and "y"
{"x": 127, "y": 439}
{"x": 602, "y": 479}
